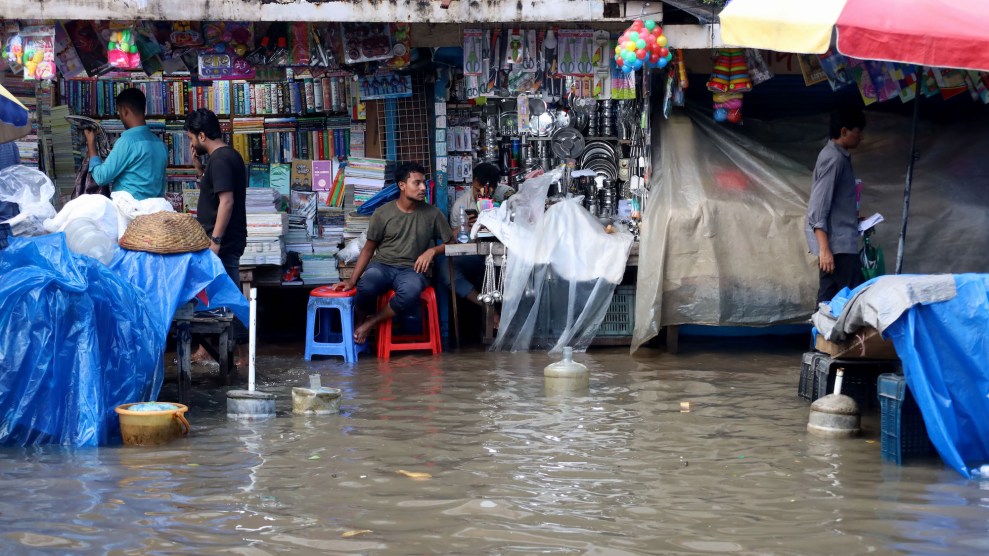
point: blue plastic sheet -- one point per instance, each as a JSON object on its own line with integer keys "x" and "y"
{"x": 171, "y": 280}
{"x": 78, "y": 338}
{"x": 944, "y": 348}
{"x": 75, "y": 340}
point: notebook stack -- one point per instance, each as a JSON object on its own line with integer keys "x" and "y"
{"x": 363, "y": 178}
{"x": 319, "y": 268}
{"x": 265, "y": 227}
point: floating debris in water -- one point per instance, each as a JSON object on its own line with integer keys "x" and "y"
{"x": 684, "y": 407}
{"x": 355, "y": 532}
{"x": 417, "y": 475}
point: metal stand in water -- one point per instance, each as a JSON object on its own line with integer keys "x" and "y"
{"x": 250, "y": 403}
{"x": 566, "y": 376}
{"x": 835, "y": 415}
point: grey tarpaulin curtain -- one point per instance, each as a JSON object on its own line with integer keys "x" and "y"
{"x": 722, "y": 239}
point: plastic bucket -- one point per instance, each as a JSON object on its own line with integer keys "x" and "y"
{"x": 152, "y": 428}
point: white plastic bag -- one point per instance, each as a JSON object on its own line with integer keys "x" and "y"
{"x": 33, "y": 192}
{"x": 129, "y": 208}
{"x": 96, "y": 208}
{"x": 352, "y": 250}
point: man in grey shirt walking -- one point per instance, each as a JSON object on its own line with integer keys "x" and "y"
{"x": 832, "y": 215}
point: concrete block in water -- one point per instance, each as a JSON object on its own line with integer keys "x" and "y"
{"x": 315, "y": 401}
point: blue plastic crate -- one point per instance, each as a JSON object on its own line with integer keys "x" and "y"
{"x": 620, "y": 318}
{"x": 904, "y": 433}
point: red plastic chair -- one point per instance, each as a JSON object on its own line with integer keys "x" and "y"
{"x": 430, "y": 339}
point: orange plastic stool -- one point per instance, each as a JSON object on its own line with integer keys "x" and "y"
{"x": 431, "y": 328}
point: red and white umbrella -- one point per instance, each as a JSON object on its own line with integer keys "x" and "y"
{"x": 940, "y": 33}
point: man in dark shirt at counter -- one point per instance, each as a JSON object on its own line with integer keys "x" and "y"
{"x": 832, "y": 215}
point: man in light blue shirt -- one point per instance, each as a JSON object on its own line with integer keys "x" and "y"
{"x": 138, "y": 159}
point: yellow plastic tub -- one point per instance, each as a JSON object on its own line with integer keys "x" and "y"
{"x": 152, "y": 428}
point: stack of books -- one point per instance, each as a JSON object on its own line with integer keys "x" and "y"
{"x": 357, "y": 140}
{"x": 331, "y": 222}
{"x": 65, "y": 168}
{"x": 368, "y": 176}
{"x": 319, "y": 269}
{"x": 265, "y": 228}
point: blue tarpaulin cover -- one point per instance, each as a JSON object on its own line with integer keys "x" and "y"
{"x": 944, "y": 348}
{"x": 78, "y": 338}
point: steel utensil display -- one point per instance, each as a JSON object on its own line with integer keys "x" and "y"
{"x": 568, "y": 143}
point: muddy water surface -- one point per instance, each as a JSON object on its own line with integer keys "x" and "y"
{"x": 620, "y": 470}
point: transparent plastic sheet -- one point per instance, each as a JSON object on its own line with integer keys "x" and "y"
{"x": 722, "y": 239}
{"x": 723, "y": 235}
{"x": 33, "y": 191}
{"x": 562, "y": 269}
{"x": 947, "y": 231}
{"x": 76, "y": 339}
{"x": 944, "y": 353}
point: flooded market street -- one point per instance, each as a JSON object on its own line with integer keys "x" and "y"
{"x": 621, "y": 470}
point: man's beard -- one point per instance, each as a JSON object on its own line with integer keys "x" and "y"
{"x": 200, "y": 149}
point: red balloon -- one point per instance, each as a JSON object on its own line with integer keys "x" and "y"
{"x": 653, "y": 47}
{"x": 735, "y": 116}
{"x": 637, "y": 24}
{"x": 663, "y": 51}
{"x": 657, "y": 31}
{"x": 641, "y": 54}
{"x": 654, "y": 58}
{"x": 620, "y": 61}
{"x": 647, "y": 36}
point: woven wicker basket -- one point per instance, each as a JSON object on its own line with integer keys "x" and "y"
{"x": 165, "y": 232}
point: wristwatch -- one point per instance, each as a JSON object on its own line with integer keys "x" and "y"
{"x": 216, "y": 239}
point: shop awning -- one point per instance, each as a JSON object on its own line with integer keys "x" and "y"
{"x": 14, "y": 119}
{"x": 941, "y": 33}
{"x": 780, "y": 25}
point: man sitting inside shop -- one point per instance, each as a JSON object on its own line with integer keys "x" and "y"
{"x": 468, "y": 271}
{"x": 400, "y": 247}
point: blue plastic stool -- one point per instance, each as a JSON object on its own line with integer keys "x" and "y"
{"x": 327, "y": 342}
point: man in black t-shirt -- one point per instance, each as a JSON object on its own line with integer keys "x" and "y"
{"x": 222, "y": 198}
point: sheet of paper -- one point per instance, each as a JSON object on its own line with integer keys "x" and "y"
{"x": 870, "y": 222}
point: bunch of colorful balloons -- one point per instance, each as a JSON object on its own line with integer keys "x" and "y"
{"x": 642, "y": 44}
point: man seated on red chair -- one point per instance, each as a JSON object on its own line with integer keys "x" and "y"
{"x": 400, "y": 247}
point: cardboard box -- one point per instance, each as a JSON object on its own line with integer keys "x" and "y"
{"x": 866, "y": 343}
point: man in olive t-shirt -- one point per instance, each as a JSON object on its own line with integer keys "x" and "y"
{"x": 399, "y": 249}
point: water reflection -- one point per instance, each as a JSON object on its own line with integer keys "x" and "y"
{"x": 620, "y": 470}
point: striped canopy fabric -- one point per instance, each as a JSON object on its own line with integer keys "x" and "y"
{"x": 940, "y": 33}
{"x": 14, "y": 118}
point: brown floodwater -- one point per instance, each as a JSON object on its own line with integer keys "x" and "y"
{"x": 618, "y": 470}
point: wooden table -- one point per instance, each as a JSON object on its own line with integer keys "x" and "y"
{"x": 186, "y": 323}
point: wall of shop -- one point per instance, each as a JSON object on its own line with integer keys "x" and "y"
{"x": 316, "y": 10}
